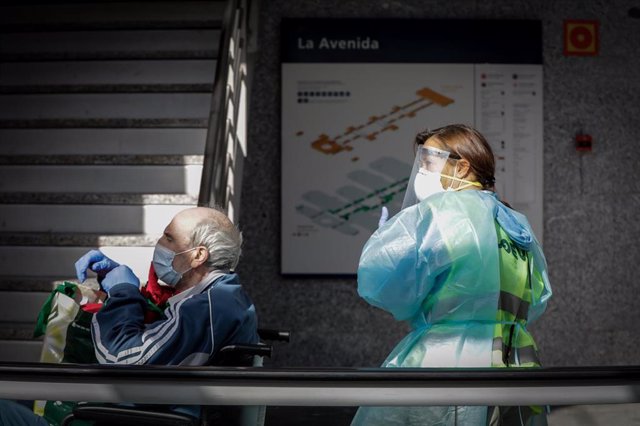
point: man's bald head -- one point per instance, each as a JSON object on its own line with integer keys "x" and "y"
{"x": 211, "y": 228}
{"x": 191, "y": 217}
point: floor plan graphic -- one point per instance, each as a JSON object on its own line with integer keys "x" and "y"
{"x": 376, "y": 125}
{"x": 356, "y": 205}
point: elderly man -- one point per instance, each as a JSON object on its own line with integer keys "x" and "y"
{"x": 195, "y": 255}
{"x": 209, "y": 309}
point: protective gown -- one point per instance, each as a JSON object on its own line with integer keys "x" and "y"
{"x": 438, "y": 265}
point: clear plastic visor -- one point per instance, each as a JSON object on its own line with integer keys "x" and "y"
{"x": 430, "y": 159}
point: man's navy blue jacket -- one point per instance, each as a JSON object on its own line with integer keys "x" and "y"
{"x": 199, "y": 321}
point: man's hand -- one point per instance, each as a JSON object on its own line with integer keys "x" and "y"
{"x": 120, "y": 275}
{"x": 384, "y": 215}
{"x": 97, "y": 262}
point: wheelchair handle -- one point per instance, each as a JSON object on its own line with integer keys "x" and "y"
{"x": 274, "y": 335}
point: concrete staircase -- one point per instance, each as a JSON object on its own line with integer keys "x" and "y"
{"x": 104, "y": 109}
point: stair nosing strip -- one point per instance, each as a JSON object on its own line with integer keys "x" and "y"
{"x": 105, "y": 123}
{"x": 28, "y": 198}
{"x": 204, "y": 88}
{"x": 16, "y": 28}
{"x": 107, "y": 55}
{"x": 67, "y": 239}
{"x": 22, "y": 333}
{"x": 103, "y": 160}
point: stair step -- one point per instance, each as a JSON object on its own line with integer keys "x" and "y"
{"x": 20, "y": 350}
{"x": 97, "y": 219}
{"x": 37, "y": 284}
{"x": 158, "y": 14}
{"x": 102, "y": 141}
{"x": 137, "y": 199}
{"x": 109, "y": 123}
{"x": 108, "y": 75}
{"x": 117, "y": 44}
{"x": 17, "y": 343}
{"x": 50, "y": 261}
{"x": 19, "y": 332}
{"x": 184, "y": 179}
{"x": 108, "y": 88}
{"x": 113, "y": 160}
{"x": 71, "y": 239}
{"x": 138, "y": 106}
{"x": 21, "y": 306}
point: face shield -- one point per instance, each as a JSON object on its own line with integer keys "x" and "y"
{"x": 425, "y": 175}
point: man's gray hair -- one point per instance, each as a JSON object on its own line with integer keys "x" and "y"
{"x": 222, "y": 240}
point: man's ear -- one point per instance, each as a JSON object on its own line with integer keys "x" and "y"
{"x": 202, "y": 255}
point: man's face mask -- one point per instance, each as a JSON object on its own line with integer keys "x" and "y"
{"x": 163, "y": 265}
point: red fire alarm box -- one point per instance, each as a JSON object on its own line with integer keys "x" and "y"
{"x": 584, "y": 143}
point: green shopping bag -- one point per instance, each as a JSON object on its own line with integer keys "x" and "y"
{"x": 66, "y": 328}
{"x": 65, "y": 323}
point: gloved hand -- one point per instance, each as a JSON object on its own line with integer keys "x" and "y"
{"x": 97, "y": 262}
{"x": 383, "y": 216}
{"x": 120, "y": 275}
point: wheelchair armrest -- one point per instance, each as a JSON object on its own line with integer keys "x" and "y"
{"x": 120, "y": 415}
{"x": 240, "y": 355}
{"x": 274, "y": 335}
{"x": 253, "y": 350}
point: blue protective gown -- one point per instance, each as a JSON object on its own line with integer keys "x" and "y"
{"x": 436, "y": 266}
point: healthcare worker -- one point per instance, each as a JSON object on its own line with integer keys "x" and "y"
{"x": 464, "y": 270}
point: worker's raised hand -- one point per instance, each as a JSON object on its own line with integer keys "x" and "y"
{"x": 384, "y": 215}
{"x": 121, "y": 274}
{"x": 97, "y": 262}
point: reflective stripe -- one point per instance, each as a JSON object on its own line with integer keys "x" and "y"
{"x": 497, "y": 345}
{"x": 514, "y": 305}
{"x": 525, "y": 354}
{"x": 499, "y": 349}
{"x": 517, "y": 356}
{"x": 496, "y": 359}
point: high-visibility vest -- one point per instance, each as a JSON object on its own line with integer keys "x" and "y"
{"x": 513, "y": 344}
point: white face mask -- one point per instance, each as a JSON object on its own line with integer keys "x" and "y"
{"x": 426, "y": 184}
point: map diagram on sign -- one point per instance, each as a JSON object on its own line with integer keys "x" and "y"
{"x": 357, "y": 204}
{"x": 377, "y": 125}
{"x": 347, "y": 150}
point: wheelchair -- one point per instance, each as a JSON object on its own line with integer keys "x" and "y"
{"x": 240, "y": 355}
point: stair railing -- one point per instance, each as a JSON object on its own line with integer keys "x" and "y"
{"x": 226, "y": 144}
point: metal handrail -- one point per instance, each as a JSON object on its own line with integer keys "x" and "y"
{"x": 213, "y": 147}
{"x": 321, "y": 387}
{"x": 233, "y": 45}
